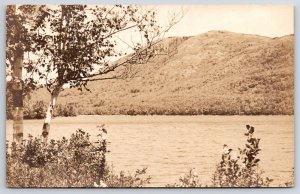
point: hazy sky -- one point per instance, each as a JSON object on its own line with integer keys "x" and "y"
{"x": 266, "y": 20}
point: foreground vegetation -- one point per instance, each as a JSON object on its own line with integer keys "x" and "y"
{"x": 236, "y": 169}
{"x": 81, "y": 162}
{"x": 74, "y": 162}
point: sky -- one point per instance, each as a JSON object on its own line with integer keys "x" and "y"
{"x": 266, "y": 20}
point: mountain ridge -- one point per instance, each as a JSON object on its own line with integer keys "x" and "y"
{"x": 217, "y": 72}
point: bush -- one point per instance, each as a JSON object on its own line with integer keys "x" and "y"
{"x": 35, "y": 110}
{"x": 235, "y": 169}
{"x": 139, "y": 179}
{"x": 74, "y": 162}
{"x": 67, "y": 110}
{"x": 188, "y": 180}
{"x": 241, "y": 169}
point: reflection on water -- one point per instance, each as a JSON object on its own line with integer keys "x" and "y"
{"x": 171, "y": 145}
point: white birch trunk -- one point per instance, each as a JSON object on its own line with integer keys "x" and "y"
{"x": 49, "y": 114}
{"x": 17, "y": 91}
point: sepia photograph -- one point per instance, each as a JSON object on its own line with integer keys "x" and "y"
{"x": 149, "y": 96}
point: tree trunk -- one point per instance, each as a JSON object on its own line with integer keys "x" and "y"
{"x": 49, "y": 114}
{"x": 17, "y": 88}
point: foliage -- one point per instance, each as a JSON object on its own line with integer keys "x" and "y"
{"x": 71, "y": 45}
{"x": 79, "y": 162}
{"x": 68, "y": 40}
{"x": 241, "y": 169}
{"x": 139, "y": 179}
{"x": 37, "y": 109}
{"x": 18, "y": 19}
{"x": 31, "y": 110}
{"x": 142, "y": 104}
{"x": 166, "y": 91}
{"x": 190, "y": 179}
{"x": 66, "y": 110}
{"x": 34, "y": 110}
{"x": 235, "y": 169}
{"x": 74, "y": 162}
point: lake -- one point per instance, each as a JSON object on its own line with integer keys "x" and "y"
{"x": 171, "y": 145}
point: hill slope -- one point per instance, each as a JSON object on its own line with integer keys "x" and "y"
{"x": 214, "y": 73}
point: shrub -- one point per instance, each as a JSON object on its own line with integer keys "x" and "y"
{"x": 139, "y": 179}
{"x": 63, "y": 163}
{"x": 241, "y": 169}
{"x": 74, "y": 162}
{"x": 235, "y": 169}
{"x": 188, "y": 180}
{"x": 35, "y": 110}
{"x": 99, "y": 104}
{"x": 67, "y": 110}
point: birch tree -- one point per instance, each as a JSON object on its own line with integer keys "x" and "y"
{"x": 14, "y": 40}
{"x": 76, "y": 44}
{"x": 16, "y": 46}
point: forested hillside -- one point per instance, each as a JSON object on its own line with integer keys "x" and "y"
{"x": 213, "y": 73}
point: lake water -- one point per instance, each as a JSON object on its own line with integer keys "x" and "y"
{"x": 171, "y": 145}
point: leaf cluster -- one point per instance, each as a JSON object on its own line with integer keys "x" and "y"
{"x": 241, "y": 169}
